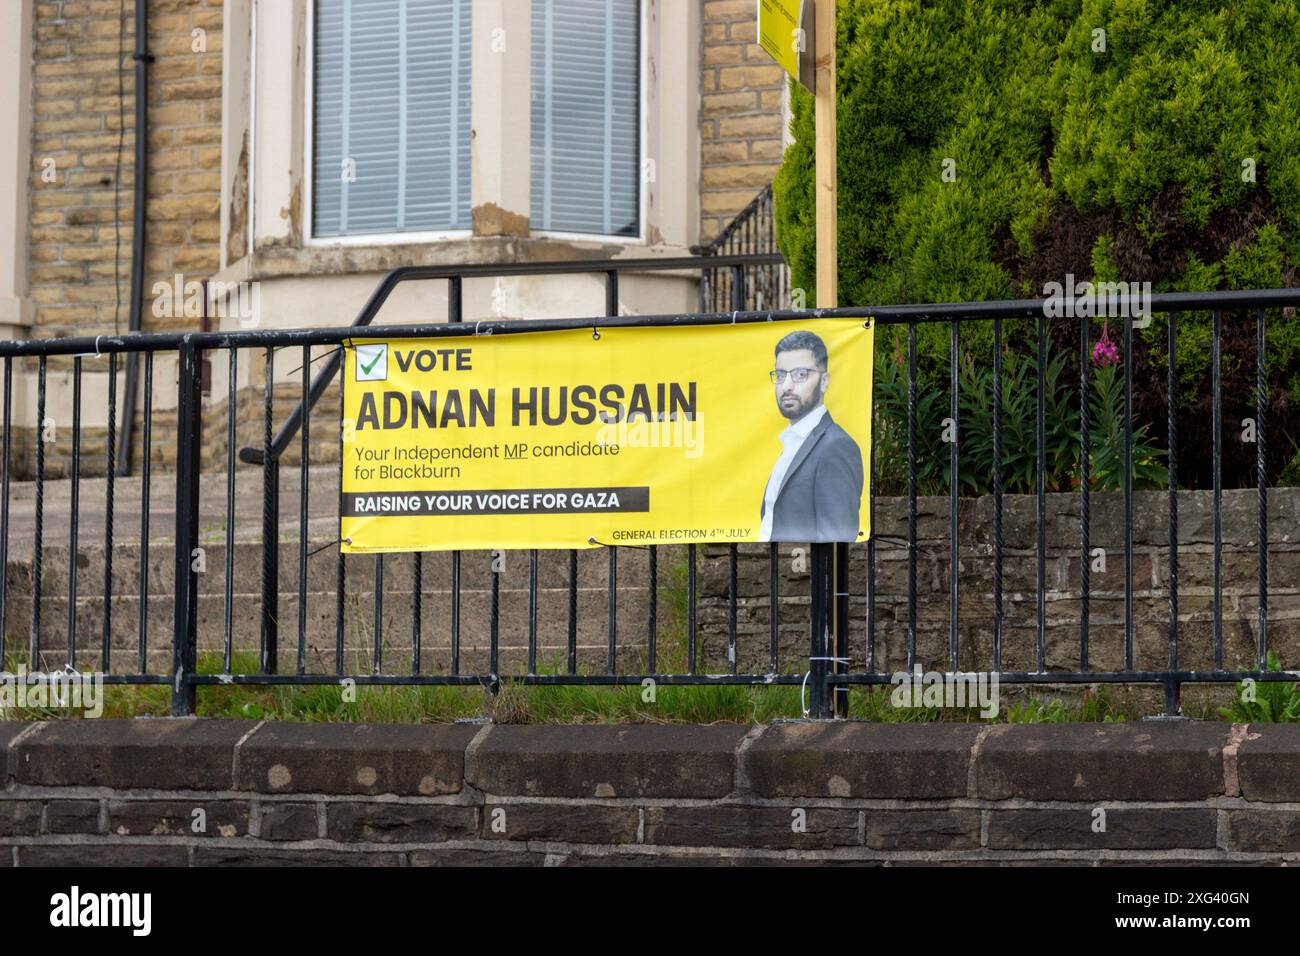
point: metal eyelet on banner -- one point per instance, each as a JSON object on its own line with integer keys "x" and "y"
{"x": 595, "y": 332}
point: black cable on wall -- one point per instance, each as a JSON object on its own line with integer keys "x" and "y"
{"x": 142, "y": 59}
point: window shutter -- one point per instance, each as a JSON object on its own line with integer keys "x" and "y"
{"x": 586, "y": 65}
{"x": 391, "y": 94}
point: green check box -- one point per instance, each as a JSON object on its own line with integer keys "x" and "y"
{"x": 372, "y": 363}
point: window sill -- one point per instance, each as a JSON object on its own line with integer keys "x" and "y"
{"x": 282, "y": 262}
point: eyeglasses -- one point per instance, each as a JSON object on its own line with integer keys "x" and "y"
{"x": 799, "y": 375}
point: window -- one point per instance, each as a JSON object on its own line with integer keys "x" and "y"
{"x": 586, "y": 63}
{"x": 391, "y": 134}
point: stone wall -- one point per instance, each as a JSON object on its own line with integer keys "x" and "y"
{"x": 250, "y": 412}
{"x": 199, "y": 792}
{"x": 740, "y": 114}
{"x": 84, "y": 104}
{"x": 1063, "y": 604}
{"x": 81, "y": 192}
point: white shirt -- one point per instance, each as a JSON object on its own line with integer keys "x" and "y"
{"x": 792, "y": 438}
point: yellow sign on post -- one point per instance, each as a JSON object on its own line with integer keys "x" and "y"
{"x": 785, "y": 31}
{"x": 644, "y": 435}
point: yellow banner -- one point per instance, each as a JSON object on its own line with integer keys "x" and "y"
{"x": 778, "y": 32}
{"x": 559, "y": 439}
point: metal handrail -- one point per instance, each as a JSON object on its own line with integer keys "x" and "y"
{"x": 89, "y": 345}
{"x": 456, "y": 274}
{"x": 736, "y": 228}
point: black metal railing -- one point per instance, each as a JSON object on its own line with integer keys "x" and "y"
{"x": 617, "y": 650}
{"x": 739, "y": 269}
{"x": 766, "y": 285}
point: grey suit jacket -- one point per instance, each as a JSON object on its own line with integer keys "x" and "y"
{"x": 822, "y": 490}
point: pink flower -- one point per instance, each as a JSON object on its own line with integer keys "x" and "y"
{"x": 1105, "y": 352}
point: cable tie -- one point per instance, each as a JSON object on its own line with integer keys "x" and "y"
{"x": 803, "y": 687}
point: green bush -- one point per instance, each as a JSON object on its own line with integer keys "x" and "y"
{"x": 1019, "y": 430}
{"x": 989, "y": 148}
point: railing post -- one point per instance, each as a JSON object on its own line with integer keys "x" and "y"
{"x": 270, "y": 564}
{"x": 454, "y": 299}
{"x": 185, "y": 631}
{"x": 840, "y": 626}
{"x": 819, "y": 647}
{"x": 738, "y": 288}
{"x": 611, "y": 292}
{"x": 271, "y": 524}
{"x": 1173, "y": 699}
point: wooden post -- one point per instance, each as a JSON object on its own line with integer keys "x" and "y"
{"x": 828, "y": 276}
{"x": 829, "y": 628}
{"x": 827, "y": 179}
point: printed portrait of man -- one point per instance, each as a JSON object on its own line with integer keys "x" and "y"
{"x": 815, "y": 488}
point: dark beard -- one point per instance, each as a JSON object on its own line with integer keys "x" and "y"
{"x": 798, "y": 412}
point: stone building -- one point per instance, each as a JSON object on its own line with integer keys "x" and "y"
{"x": 300, "y": 149}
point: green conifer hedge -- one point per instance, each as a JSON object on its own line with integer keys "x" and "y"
{"x": 987, "y": 148}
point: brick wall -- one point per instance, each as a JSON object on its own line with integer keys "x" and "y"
{"x": 740, "y": 114}
{"x": 89, "y": 792}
